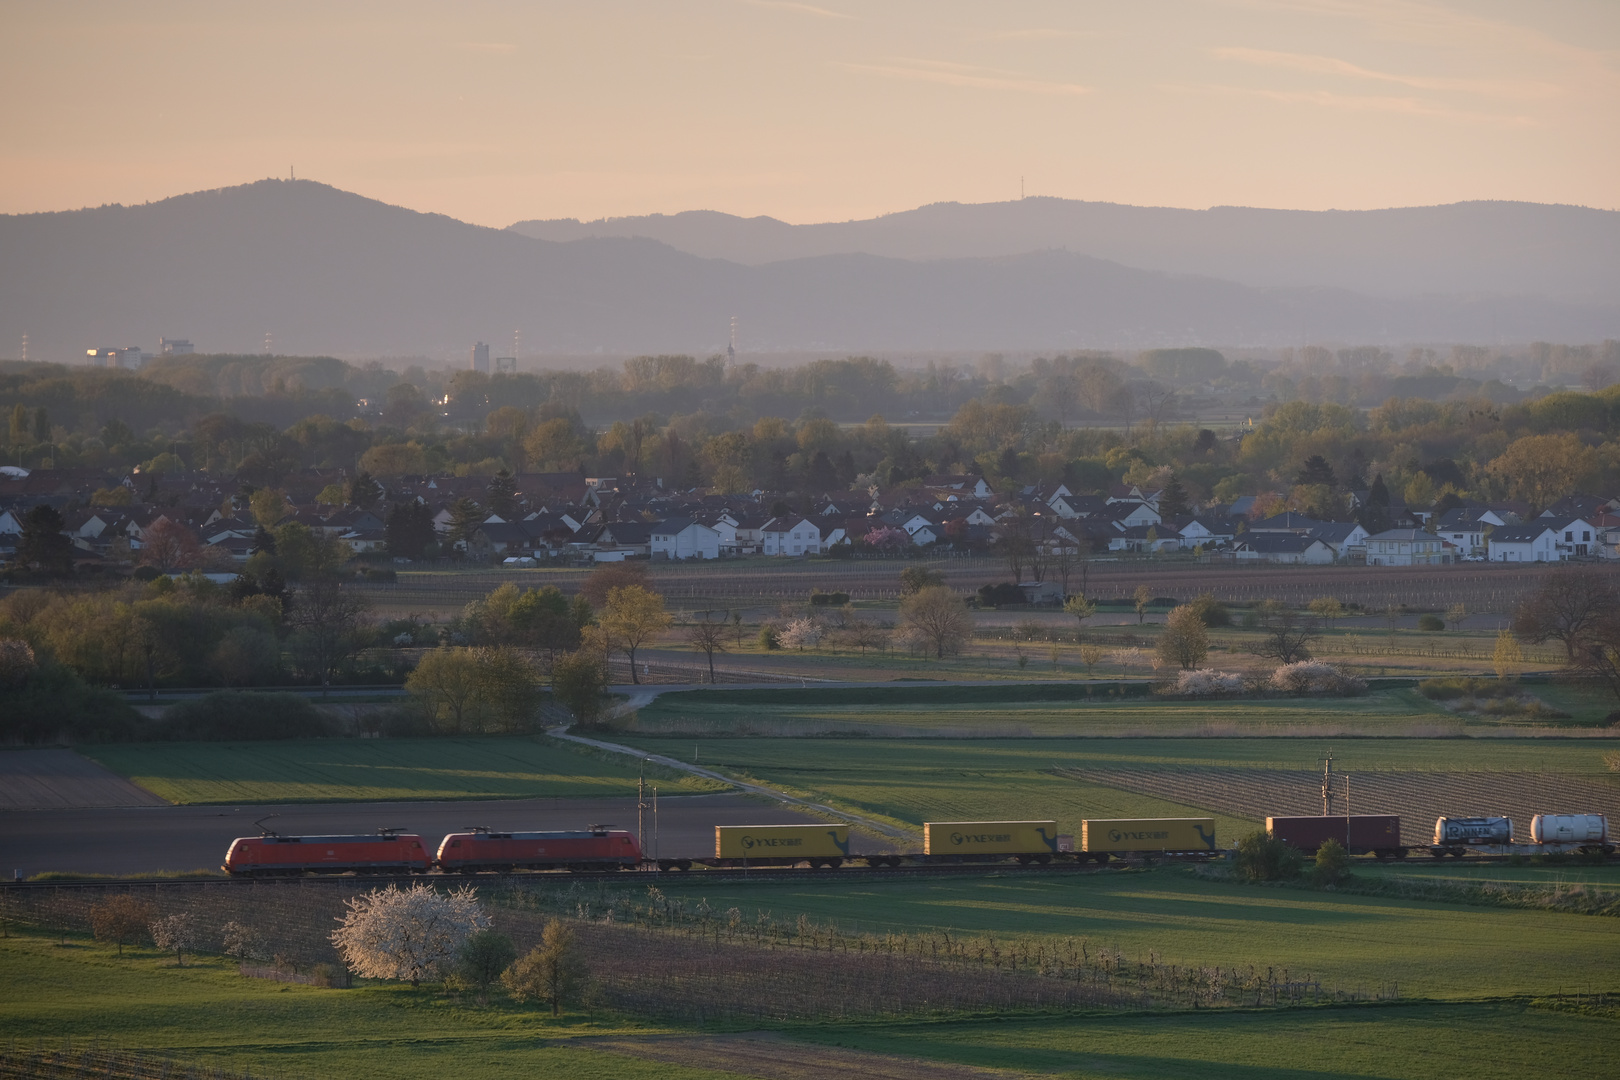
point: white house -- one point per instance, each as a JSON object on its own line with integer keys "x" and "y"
{"x": 1531, "y": 543}
{"x": 683, "y": 538}
{"x": 1408, "y": 547}
{"x": 1344, "y": 537}
{"x": 790, "y": 536}
{"x": 1279, "y": 547}
{"x": 1577, "y": 537}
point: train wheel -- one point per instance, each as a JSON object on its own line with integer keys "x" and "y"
{"x": 1438, "y": 853}
{"x": 1401, "y": 853}
{"x": 1043, "y": 859}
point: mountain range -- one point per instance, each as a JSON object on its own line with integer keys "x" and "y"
{"x": 323, "y": 270}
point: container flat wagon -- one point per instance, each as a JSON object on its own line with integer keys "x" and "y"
{"x": 1361, "y": 834}
{"x": 780, "y": 845}
{"x": 992, "y": 841}
{"x": 1104, "y": 838}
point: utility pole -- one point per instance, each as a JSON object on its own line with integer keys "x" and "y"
{"x": 1327, "y": 785}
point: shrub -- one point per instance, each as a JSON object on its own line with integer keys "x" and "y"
{"x": 1431, "y": 623}
{"x": 770, "y": 637}
{"x": 238, "y": 714}
{"x": 1207, "y": 683}
{"x": 1457, "y": 687}
{"x": 1332, "y": 863}
{"x": 1314, "y": 677}
{"x": 828, "y": 599}
{"x": 1263, "y": 857}
{"x": 1210, "y": 611}
{"x": 51, "y": 702}
{"x": 1000, "y": 594}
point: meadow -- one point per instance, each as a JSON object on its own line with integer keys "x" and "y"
{"x": 1110, "y": 709}
{"x": 909, "y": 781}
{"x": 357, "y": 770}
{"x": 1346, "y": 942}
{"x": 1478, "y": 994}
{"x": 207, "y": 1012}
{"x": 1496, "y": 1041}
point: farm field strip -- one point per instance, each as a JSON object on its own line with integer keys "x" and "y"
{"x": 1417, "y": 797}
{"x": 350, "y": 770}
{"x": 1429, "y": 949}
{"x": 1496, "y": 1041}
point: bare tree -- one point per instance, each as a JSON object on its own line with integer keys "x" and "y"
{"x": 1288, "y": 641}
{"x": 122, "y": 919}
{"x": 326, "y": 623}
{"x": 709, "y": 637}
{"x": 939, "y": 616}
{"x": 1566, "y": 607}
{"x": 864, "y": 634}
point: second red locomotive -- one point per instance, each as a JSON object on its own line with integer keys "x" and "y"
{"x": 596, "y": 848}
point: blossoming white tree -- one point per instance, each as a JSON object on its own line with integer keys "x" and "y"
{"x": 176, "y": 932}
{"x": 415, "y": 933}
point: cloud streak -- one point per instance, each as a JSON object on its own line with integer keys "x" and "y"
{"x": 800, "y": 9}
{"x": 1329, "y": 65}
{"x": 968, "y": 76}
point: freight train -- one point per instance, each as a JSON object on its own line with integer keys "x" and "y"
{"x": 599, "y": 848}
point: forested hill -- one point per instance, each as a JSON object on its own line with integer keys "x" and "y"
{"x": 1568, "y": 253}
{"x": 325, "y": 271}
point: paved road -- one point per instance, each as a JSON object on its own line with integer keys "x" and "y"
{"x": 147, "y": 839}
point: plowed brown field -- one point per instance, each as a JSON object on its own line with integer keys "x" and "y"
{"x": 770, "y": 1057}
{"x": 1418, "y": 797}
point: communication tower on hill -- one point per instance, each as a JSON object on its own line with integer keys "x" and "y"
{"x": 731, "y": 344}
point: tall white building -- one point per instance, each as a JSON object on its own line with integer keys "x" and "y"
{"x": 480, "y": 358}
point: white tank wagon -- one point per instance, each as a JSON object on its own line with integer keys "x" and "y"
{"x": 1549, "y": 834}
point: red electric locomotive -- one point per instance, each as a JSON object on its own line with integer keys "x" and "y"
{"x": 271, "y": 855}
{"x": 597, "y": 848}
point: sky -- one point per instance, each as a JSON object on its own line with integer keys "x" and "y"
{"x": 498, "y": 112}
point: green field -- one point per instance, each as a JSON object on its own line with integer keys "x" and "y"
{"x": 206, "y": 1011}
{"x": 1068, "y": 710}
{"x": 910, "y": 781}
{"x": 1347, "y": 942}
{"x": 353, "y": 770}
{"x": 1421, "y": 1042}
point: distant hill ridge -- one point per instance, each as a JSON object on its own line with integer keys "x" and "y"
{"x": 1567, "y": 253}
{"x": 329, "y": 271}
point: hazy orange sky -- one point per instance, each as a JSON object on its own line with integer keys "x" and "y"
{"x": 495, "y": 112}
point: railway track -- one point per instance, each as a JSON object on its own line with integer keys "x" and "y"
{"x": 703, "y": 873}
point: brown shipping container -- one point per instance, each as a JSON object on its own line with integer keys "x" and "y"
{"x": 1365, "y": 832}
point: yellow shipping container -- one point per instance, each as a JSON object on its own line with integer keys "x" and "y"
{"x": 990, "y": 838}
{"x": 1148, "y": 834}
{"x": 781, "y": 841}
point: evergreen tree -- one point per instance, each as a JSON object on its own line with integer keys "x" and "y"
{"x": 362, "y": 490}
{"x": 42, "y": 425}
{"x": 409, "y": 530}
{"x": 43, "y": 545}
{"x": 1173, "y": 500}
{"x": 264, "y": 541}
{"x": 1375, "y": 514}
{"x": 465, "y": 517}
{"x": 503, "y": 494}
{"x": 1316, "y": 470}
